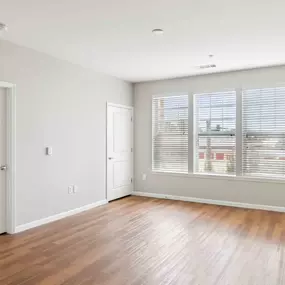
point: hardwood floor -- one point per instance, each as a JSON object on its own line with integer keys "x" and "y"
{"x": 140, "y": 240}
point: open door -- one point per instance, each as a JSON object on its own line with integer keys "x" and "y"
{"x": 119, "y": 151}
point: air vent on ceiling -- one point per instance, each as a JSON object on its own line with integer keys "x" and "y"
{"x": 205, "y": 66}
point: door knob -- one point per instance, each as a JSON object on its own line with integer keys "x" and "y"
{"x": 3, "y": 167}
{"x": 110, "y": 158}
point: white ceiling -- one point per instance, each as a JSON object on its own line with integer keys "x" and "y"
{"x": 114, "y": 36}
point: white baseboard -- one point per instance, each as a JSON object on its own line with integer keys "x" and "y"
{"x": 50, "y": 219}
{"x": 210, "y": 201}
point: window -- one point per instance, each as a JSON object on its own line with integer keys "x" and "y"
{"x": 215, "y": 133}
{"x": 232, "y": 133}
{"x": 264, "y": 132}
{"x": 170, "y": 133}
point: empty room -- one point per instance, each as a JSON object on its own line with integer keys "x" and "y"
{"x": 142, "y": 142}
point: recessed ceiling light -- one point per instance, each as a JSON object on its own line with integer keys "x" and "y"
{"x": 3, "y": 27}
{"x": 157, "y": 31}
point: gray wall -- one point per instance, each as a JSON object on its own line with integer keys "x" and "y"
{"x": 205, "y": 188}
{"x": 64, "y": 106}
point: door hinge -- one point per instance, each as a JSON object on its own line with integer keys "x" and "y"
{"x": 131, "y": 119}
{"x": 131, "y": 149}
{"x": 131, "y": 180}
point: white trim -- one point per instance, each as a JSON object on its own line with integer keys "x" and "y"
{"x": 60, "y": 216}
{"x": 11, "y": 156}
{"x": 221, "y": 177}
{"x": 212, "y": 202}
{"x": 262, "y": 85}
{"x": 4, "y": 84}
{"x": 119, "y": 106}
{"x": 170, "y": 94}
{"x": 191, "y": 133}
{"x": 213, "y": 90}
{"x": 133, "y": 151}
{"x": 238, "y": 135}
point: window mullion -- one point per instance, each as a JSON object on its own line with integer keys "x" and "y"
{"x": 239, "y": 132}
{"x": 191, "y": 133}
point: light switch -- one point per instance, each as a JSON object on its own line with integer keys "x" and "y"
{"x": 49, "y": 150}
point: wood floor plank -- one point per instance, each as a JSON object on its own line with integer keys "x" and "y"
{"x": 137, "y": 240}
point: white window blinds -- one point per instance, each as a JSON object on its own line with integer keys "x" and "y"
{"x": 264, "y": 132}
{"x": 170, "y": 133}
{"x": 215, "y": 130}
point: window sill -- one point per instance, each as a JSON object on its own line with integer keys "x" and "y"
{"x": 220, "y": 177}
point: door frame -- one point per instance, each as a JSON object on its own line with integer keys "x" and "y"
{"x": 11, "y": 156}
{"x": 109, "y": 104}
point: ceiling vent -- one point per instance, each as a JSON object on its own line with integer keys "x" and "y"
{"x": 205, "y": 66}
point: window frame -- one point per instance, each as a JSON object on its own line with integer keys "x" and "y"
{"x": 239, "y": 138}
{"x": 275, "y": 178}
{"x": 172, "y": 94}
{"x": 196, "y": 135}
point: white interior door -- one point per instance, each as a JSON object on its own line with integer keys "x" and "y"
{"x": 2, "y": 160}
{"x": 119, "y": 151}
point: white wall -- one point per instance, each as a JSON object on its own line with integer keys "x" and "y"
{"x": 64, "y": 106}
{"x": 206, "y": 188}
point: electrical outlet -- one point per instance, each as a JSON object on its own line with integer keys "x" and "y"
{"x": 70, "y": 189}
{"x": 75, "y": 188}
{"x": 144, "y": 176}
